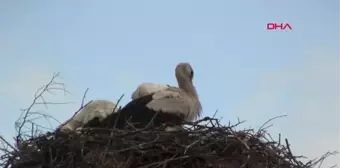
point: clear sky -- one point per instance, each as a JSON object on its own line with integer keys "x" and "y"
{"x": 241, "y": 69}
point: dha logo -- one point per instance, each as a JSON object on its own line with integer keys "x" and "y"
{"x": 280, "y": 26}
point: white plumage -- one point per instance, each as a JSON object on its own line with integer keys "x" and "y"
{"x": 146, "y": 89}
{"x": 177, "y": 101}
{"x": 96, "y": 109}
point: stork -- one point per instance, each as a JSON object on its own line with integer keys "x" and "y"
{"x": 99, "y": 109}
{"x": 171, "y": 105}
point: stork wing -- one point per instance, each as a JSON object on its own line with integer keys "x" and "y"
{"x": 134, "y": 94}
{"x": 147, "y": 88}
{"x": 170, "y": 100}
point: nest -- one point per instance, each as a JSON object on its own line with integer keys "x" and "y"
{"x": 204, "y": 143}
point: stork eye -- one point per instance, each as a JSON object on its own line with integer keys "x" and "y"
{"x": 192, "y": 74}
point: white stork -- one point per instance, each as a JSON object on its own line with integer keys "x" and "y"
{"x": 170, "y": 105}
{"x": 99, "y": 109}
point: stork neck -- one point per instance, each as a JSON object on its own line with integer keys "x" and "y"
{"x": 187, "y": 85}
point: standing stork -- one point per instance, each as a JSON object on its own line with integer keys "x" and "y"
{"x": 171, "y": 105}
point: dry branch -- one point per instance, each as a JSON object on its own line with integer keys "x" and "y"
{"x": 26, "y": 115}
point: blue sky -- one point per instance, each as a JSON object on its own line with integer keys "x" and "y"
{"x": 241, "y": 69}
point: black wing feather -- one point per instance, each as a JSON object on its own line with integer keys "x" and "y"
{"x": 138, "y": 114}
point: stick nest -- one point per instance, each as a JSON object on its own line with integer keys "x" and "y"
{"x": 204, "y": 143}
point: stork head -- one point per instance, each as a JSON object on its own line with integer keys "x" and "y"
{"x": 184, "y": 71}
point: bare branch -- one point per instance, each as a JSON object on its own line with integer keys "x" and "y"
{"x": 261, "y": 128}
{"x": 39, "y": 95}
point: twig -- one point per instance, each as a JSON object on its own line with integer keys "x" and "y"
{"x": 116, "y": 121}
{"x": 38, "y": 94}
{"x": 270, "y": 121}
{"x": 83, "y": 99}
{"x": 80, "y": 108}
{"x": 7, "y": 143}
{"x": 165, "y": 161}
{"x": 189, "y": 146}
